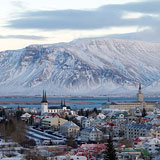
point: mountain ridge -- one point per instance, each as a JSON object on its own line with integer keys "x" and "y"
{"x": 94, "y": 66}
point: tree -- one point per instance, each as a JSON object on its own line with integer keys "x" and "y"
{"x": 7, "y": 127}
{"x": 71, "y": 142}
{"x": 144, "y": 113}
{"x": 95, "y": 111}
{"x": 110, "y": 153}
{"x": 31, "y": 120}
{"x": 19, "y": 114}
{"x": 81, "y": 113}
{"x": 19, "y": 135}
{"x": 34, "y": 156}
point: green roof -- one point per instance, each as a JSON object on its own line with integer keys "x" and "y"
{"x": 143, "y": 151}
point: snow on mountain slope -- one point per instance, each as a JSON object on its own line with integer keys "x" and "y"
{"x": 96, "y": 66}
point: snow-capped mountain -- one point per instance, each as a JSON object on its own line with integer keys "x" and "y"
{"x": 96, "y": 66}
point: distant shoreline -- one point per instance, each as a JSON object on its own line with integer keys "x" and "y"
{"x": 54, "y": 102}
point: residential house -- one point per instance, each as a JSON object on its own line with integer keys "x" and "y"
{"x": 101, "y": 116}
{"x": 25, "y": 116}
{"x": 153, "y": 145}
{"x": 70, "y": 129}
{"x": 91, "y": 134}
{"x": 70, "y": 157}
{"x": 155, "y": 132}
{"x": 87, "y": 122}
{"x": 98, "y": 123}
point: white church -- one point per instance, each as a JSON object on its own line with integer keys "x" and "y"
{"x": 52, "y": 109}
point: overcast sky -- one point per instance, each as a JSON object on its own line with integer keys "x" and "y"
{"x": 25, "y": 22}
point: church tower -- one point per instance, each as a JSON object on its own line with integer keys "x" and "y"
{"x": 140, "y": 96}
{"x": 44, "y": 103}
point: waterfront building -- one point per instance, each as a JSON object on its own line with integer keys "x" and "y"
{"x": 140, "y": 103}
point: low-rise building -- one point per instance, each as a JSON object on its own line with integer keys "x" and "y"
{"x": 70, "y": 157}
{"x": 53, "y": 123}
{"x": 155, "y": 132}
{"x": 134, "y": 130}
{"x": 91, "y": 134}
{"x": 70, "y": 129}
{"x": 25, "y": 116}
{"x": 153, "y": 145}
{"x": 98, "y": 123}
{"x": 87, "y": 122}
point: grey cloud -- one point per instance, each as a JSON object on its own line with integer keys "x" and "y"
{"x": 146, "y": 35}
{"x": 103, "y": 17}
{"x": 31, "y": 37}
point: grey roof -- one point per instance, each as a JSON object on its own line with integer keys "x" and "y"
{"x": 69, "y": 124}
{"x": 58, "y": 107}
{"x": 139, "y": 126}
{"x": 55, "y": 107}
{"x": 91, "y": 129}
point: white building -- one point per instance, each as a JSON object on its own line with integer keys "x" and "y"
{"x": 25, "y": 116}
{"x": 153, "y": 145}
{"x": 52, "y": 109}
{"x": 44, "y": 104}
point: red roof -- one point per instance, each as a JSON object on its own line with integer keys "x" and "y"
{"x": 111, "y": 124}
{"x": 137, "y": 140}
{"x": 56, "y": 115}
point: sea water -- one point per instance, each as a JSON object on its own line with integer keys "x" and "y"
{"x": 92, "y": 102}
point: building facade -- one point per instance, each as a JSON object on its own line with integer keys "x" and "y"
{"x": 70, "y": 129}
{"x": 140, "y": 103}
{"x": 53, "y": 109}
{"x": 91, "y": 134}
{"x": 53, "y": 123}
{"x": 134, "y": 130}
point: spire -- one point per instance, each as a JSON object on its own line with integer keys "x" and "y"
{"x": 139, "y": 86}
{"x": 64, "y": 103}
{"x": 44, "y": 98}
{"x": 61, "y": 103}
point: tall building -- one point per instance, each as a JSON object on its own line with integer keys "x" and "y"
{"x": 44, "y": 103}
{"x": 140, "y": 96}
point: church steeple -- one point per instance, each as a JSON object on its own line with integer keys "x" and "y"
{"x": 64, "y": 103}
{"x": 61, "y": 103}
{"x": 139, "y": 87}
{"x": 44, "y": 98}
{"x": 44, "y": 104}
{"x": 140, "y": 96}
